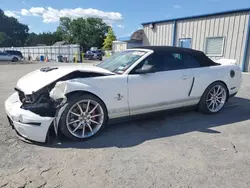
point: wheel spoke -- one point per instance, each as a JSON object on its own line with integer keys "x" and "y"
{"x": 90, "y": 128}
{"x": 74, "y": 121}
{"x": 210, "y": 104}
{"x": 214, "y": 91}
{"x": 221, "y": 92}
{"x": 87, "y": 108}
{"x": 97, "y": 115}
{"x": 78, "y": 115}
{"x": 213, "y": 107}
{"x": 94, "y": 122}
{"x": 219, "y": 101}
{"x": 218, "y": 90}
{"x": 77, "y": 127}
{"x": 79, "y": 106}
{"x": 209, "y": 99}
{"x": 94, "y": 108}
{"x": 83, "y": 130}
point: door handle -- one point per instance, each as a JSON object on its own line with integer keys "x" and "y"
{"x": 185, "y": 77}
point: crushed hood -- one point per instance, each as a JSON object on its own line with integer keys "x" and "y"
{"x": 40, "y": 78}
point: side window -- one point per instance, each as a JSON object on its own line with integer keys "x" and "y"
{"x": 4, "y": 53}
{"x": 181, "y": 60}
{"x": 190, "y": 61}
{"x": 154, "y": 59}
{"x": 173, "y": 61}
{"x": 168, "y": 61}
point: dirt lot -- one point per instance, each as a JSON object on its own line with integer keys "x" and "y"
{"x": 186, "y": 149}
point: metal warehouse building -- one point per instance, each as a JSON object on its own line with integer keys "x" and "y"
{"x": 219, "y": 35}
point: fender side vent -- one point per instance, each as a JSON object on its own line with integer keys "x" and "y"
{"x": 232, "y": 73}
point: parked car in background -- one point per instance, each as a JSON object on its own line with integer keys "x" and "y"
{"x": 14, "y": 52}
{"x": 8, "y": 57}
{"x": 93, "y": 55}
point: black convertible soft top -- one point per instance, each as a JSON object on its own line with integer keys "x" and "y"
{"x": 198, "y": 55}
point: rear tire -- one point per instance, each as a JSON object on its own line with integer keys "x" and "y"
{"x": 87, "y": 121}
{"x": 213, "y": 99}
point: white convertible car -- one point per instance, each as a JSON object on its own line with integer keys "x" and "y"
{"x": 78, "y": 101}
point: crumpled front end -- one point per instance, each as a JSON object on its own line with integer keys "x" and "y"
{"x": 28, "y": 124}
{"x": 34, "y": 107}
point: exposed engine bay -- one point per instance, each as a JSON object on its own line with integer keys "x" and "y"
{"x": 41, "y": 103}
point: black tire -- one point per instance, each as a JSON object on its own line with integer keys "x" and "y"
{"x": 203, "y": 106}
{"x": 73, "y": 99}
{"x": 14, "y": 59}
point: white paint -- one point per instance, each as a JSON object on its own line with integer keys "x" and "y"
{"x": 38, "y": 79}
{"x": 226, "y": 61}
{"x": 140, "y": 93}
{"x": 158, "y": 88}
{"x": 21, "y": 119}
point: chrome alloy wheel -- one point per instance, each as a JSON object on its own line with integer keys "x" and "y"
{"x": 84, "y": 118}
{"x": 216, "y": 98}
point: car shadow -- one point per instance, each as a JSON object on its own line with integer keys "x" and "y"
{"x": 163, "y": 125}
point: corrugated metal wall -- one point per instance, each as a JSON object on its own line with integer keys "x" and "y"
{"x": 247, "y": 66}
{"x": 231, "y": 26}
{"x": 161, "y": 35}
{"x": 118, "y": 46}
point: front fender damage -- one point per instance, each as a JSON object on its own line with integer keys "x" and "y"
{"x": 58, "y": 94}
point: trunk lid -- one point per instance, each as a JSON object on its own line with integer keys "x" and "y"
{"x": 226, "y": 61}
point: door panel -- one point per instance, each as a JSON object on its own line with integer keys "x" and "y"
{"x": 1, "y": 56}
{"x": 159, "y": 91}
{"x": 5, "y": 57}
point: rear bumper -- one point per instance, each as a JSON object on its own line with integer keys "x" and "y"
{"x": 27, "y": 124}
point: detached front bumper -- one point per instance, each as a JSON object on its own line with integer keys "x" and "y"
{"x": 27, "y": 124}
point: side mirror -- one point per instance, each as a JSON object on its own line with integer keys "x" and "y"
{"x": 146, "y": 69}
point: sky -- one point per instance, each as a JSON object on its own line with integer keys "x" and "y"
{"x": 125, "y": 16}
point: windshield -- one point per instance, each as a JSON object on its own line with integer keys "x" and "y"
{"x": 121, "y": 61}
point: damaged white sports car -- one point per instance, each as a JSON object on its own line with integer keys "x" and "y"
{"x": 78, "y": 101}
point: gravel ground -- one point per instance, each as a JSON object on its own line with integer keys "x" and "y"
{"x": 185, "y": 149}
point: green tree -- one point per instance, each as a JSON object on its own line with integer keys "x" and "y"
{"x": 4, "y": 39}
{"x": 107, "y": 44}
{"x": 63, "y": 30}
{"x": 89, "y": 32}
{"x": 42, "y": 38}
{"x": 12, "y": 32}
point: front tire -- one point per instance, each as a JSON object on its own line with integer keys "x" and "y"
{"x": 213, "y": 99}
{"x": 83, "y": 118}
